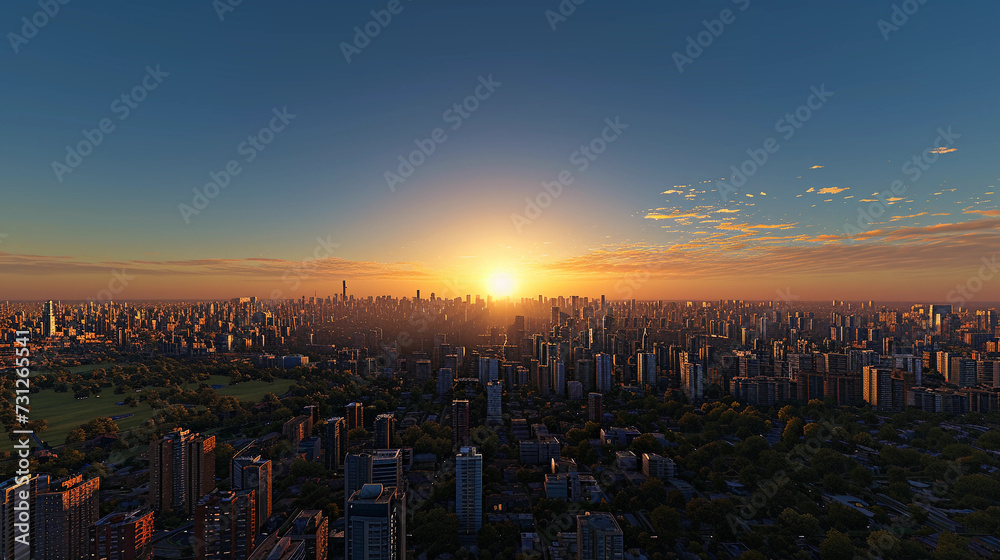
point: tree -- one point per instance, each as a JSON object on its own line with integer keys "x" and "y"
{"x": 836, "y": 546}
{"x": 666, "y": 522}
{"x": 793, "y": 431}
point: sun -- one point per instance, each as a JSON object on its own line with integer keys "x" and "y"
{"x": 500, "y": 284}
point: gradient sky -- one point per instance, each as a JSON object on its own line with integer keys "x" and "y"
{"x": 645, "y": 219}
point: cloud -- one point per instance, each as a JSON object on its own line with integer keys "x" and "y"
{"x": 943, "y": 150}
{"x": 833, "y": 190}
{"x": 983, "y": 212}
{"x": 816, "y": 167}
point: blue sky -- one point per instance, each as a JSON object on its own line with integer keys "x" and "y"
{"x": 323, "y": 175}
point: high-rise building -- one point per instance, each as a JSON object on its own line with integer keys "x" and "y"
{"x": 225, "y": 525}
{"x": 335, "y": 442}
{"x": 598, "y": 537}
{"x": 312, "y": 528}
{"x": 494, "y": 407}
{"x": 647, "y": 369}
{"x": 298, "y": 429}
{"x": 355, "y": 415}
{"x": 48, "y": 319}
{"x": 64, "y": 511}
{"x": 384, "y": 426}
{"x": 122, "y": 536}
{"x": 253, "y": 472}
{"x": 876, "y": 388}
{"x": 460, "y": 424}
{"x": 469, "y": 490}
{"x": 384, "y": 466}
{"x": 692, "y": 378}
{"x": 595, "y": 407}
{"x": 446, "y": 379}
{"x": 16, "y": 500}
{"x": 181, "y": 470}
{"x": 375, "y": 524}
{"x": 962, "y": 372}
{"x": 604, "y": 366}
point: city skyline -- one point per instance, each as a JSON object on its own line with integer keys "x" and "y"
{"x": 845, "y": 155}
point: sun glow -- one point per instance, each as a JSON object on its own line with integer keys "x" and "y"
{"x": 500, "y": 284}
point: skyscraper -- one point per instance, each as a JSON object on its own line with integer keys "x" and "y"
{"x": 384, "y": 426}
{"x": 375, "y": 525}
{"x": 595, "y": 407}
{"x": 311, "y": 527}
{"x": 181, "y": 470}
{"x": 494, "y": 407}
{"x": 64, "y": 511}
{"x": 354, "y": 413}
{"x": 48, "y": 319}
{"x": 692, "y": 379}
{"x": 647, "y": 369}
{"x": 253, "y": 471}
{"x": 384, "y": 466}
{"x": 598, "y": 537}
{"x": 335, "y": 442}
{"x": 225, "y": 525}
{"x": 876, "y": 387}
{"x": 604, "y": 369}
{"x": 469, "y": 490}
{"x": 459, "y": 424}
{"x": 122, "y": 536}
{"x": 16, "y": 496}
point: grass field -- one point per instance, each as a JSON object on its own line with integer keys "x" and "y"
{"x": 64, "y": 413}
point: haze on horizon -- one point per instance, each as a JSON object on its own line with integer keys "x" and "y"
{"x": 823, "y": 151}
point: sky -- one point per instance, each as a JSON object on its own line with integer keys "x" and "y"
{"x": 706, "y": 150}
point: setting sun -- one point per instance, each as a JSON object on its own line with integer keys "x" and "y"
{"x": 500, "y": 284}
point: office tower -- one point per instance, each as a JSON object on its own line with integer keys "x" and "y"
{"x": 585, "y": 374}
{"x": 16, "y": 497}
{"x": 692, "y": 379}
{"x": 595, "y": 407}
{"x": 335, "y": 442}
{"x": 312, "y": 528}
{"x": 375, "y": 525}
{"x": 469, "y": 490}
{"x": 48, "y": 319}
{"x": 962, "y": 372}
{"x": 384, "y": 427}
{"x": 384, "y": 466}
{"x": 253, "y": 472}
{"x": 459, "y": 424}
{"x": 876, "y": 387}
{"x": 446, "y": 378}
{"x": 555, "y": 315}
{"x": 598, "y": 537}
{"x": 605, "y": 369}
{"x": 64, "y": 511}
{"x": 181, "y": 470}
{"x": 298, "y": 429}
{"x": 488, "y": 370}
{"x": 494, "y": 396}
{"x": 647, "y": 369}
{"x": 225, "y": 525}
{"x": 122, "y": 536}
{"x": 557, "y": 370}
{"x": 355, "y": 415}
